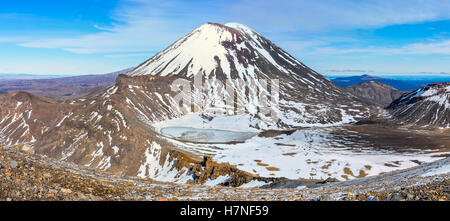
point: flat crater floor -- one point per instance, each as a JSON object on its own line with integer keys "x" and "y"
{"x": 197, "y": 135}
{"x": 344, "y": 152}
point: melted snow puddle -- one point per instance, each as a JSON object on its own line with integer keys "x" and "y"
{"x": 210, "y": 136}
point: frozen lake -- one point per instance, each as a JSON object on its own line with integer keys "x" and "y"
{"x": 341, "y": 152}
{"x": 206, "y": 135}
{"x": 318, "y": 153}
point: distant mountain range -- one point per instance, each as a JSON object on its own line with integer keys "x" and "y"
{"x": 60, "y": 88}
{"x": 402, "y": 83}
{"x": 8, "y": 77}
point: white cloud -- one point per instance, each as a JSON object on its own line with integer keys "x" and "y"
{"x": 139, "y": 26}
{"x": 143, "y": 25}
{"x": 434, "y": 47}
{"x": 306, "y": 15}
{"x": 132, "y": 36}
{"x": 130, "y": 55}
{"x": 442, "y": 47}
{"x": 56, "y": 66}
{"x": 12, "y": 39}
{"x": 350, "y": 70}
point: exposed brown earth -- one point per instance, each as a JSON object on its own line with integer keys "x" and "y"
{"x": 375, "y": 93}
{"x": 391, "y": 137}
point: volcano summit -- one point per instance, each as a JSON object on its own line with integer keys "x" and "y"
{"x": 234, "y": 51}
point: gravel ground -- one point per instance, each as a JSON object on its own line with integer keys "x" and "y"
{"x": 25, "y": 176}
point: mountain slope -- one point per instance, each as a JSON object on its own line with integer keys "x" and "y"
{"x": 233, "y": 51}
{"x": 376, "y": 93}
{"x": 111, "y": 131}
{"x": 428, "y": 106}
{"x": 25, "y": 117}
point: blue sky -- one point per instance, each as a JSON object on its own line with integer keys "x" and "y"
{"x": 331, "y": 36}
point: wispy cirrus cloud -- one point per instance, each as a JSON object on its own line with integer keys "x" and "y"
{"x": 13, "y": 39}
{"x": 349, "y": 70}
{"x": 306, "y": 15}
{"x": 138, "y": 26}
{"x": 142, "y": 25}
{"x": 134, "y": 36}
{"x": 441, "y": 47}
{"x": 125, "y": 55}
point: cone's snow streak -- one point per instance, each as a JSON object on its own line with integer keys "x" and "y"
{"x": 234, "y": 51}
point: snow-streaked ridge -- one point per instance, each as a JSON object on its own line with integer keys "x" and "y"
{"x": 427, "y": 106}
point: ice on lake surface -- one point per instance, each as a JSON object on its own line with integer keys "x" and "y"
{"x": 206, "y": 135}
{"x": 341, "y": 152}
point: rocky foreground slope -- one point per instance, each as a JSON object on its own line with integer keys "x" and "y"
{"x": 24, "y": 176}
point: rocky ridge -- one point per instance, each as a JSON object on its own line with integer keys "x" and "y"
{"x": 425, "y": 107}
{"x": 375, "y": 93}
